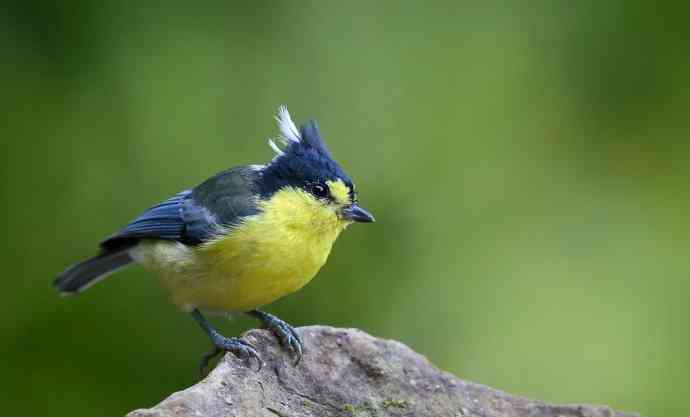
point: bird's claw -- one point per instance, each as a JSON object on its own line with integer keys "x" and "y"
{"x": 239, "y": 348}
{"x": 206, "y": 358}
{"x": 287, "y": 336}
{"x": 234, "y": 345}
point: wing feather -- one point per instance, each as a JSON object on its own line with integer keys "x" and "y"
{"x": 162, "y": 221}
{"x": 193, "y": 216}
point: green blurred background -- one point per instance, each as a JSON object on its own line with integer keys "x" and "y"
{"x": 526, "y": 161}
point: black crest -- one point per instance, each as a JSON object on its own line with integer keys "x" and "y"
{"x": 303, "y": 161}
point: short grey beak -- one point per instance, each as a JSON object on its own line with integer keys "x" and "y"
{"x": 355, "y": 213}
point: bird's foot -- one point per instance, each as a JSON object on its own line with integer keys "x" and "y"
{"x": 234, "y": 345}
{"x": 286, "y": 334}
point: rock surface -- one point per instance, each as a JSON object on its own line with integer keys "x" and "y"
{"x": 347, "y": 373}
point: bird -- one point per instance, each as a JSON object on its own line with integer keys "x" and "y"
{"x": 241, "y": 239}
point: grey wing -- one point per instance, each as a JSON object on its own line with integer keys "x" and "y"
{"x": 162, "y": 221}
{"x": 222, "y": 200}
{"x": 193, "y": 216}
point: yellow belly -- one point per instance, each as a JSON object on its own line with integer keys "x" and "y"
{"x": 267, "y": 257}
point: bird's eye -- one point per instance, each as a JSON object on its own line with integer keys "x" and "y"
{"x": 319, "y": 190}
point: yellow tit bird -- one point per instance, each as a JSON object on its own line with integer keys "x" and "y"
{"x": 241, "y": 239}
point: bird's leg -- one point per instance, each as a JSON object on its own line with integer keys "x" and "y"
{"x": 285, "y": 333}
{"x": 237, "y": 346}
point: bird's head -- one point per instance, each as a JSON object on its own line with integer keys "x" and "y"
{"x": 304, "y": 165}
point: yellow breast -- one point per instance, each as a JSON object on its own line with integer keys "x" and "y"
{"x": 269, "y": 255}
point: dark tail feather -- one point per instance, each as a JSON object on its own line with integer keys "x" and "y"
{"x": 80, "y": 276}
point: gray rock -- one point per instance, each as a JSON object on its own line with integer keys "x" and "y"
{"x": 348, "y": 373}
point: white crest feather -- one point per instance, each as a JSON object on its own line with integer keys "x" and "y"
{"x": 287, "y": 127}
{"x": 275, "y": 147}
